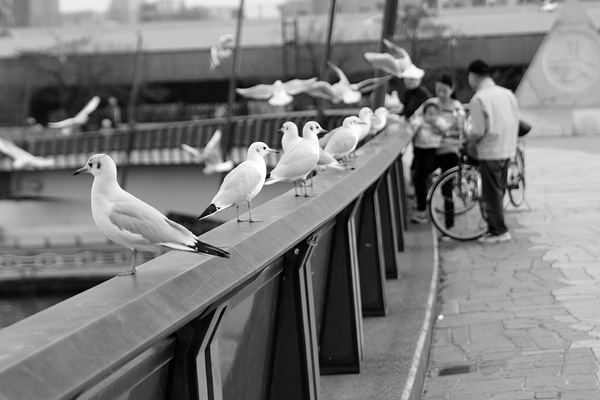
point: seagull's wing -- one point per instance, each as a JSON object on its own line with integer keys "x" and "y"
{"x": 398, "y": 51}
{"x": 65, "y": 123}
{"x": 341, "y": 143}
{"x": 143, "y": 224}
{"x": 227, "y": 41}
{"x": 260, "y": 92}
{"x": 343, "y": 78}
{"x": 297, "y": 86}
{"x": 191, "y": 150}
{"x": 89, "y": 108}
{"x": 214, "y": 58}
{"x": 369, "y": 84}
{"x": 296, "y": 162}
{"x": 239, "y": 184}
{"x": 383, "y": 61}
{"x": 212, "y": 150}
{"x": 322, "y": 90}
{"x": 12, "y": 150}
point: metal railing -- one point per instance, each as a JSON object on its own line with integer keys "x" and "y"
{"x": 265, "y": 323}
{"x": 160, "y": 144}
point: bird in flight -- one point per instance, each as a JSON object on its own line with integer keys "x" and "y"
{"x": 81, "y": 118}
{"x": 212, "y": 156}
{"x": 221, "y": 51}
{"x": 23, "y": 159}
{"x": 394, "y": 62}
{"x": 343, "y": 90}
{"x": 279, "y": 93}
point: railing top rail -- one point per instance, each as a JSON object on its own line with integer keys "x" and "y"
{"x": 57, "y": 353}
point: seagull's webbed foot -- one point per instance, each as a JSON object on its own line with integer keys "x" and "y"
{"x": 127, "y": 272}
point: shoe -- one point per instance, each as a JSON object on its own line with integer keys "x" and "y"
{"x": 444, "y": 238}
{"x": 489, "y": 238}
{"x": 419, "y": 217}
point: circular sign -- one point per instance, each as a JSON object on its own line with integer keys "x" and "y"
{"x": 571, "y": 60}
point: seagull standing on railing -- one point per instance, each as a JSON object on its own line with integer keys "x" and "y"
{"x": 379, "y": 120}
{"x": 132, "y": 223}
{"x": 343, "y": 140}
{"x": 279, "y": 93}
{"x": 212, "y": 156}
{"x": 22, "y": 159}
{"x": 365, "y": 114}
{"x": 242, "y": 184}
{"x": 222, "y": 50}
{"x": 393, "y": 63}
{"x": 295, "y": 164}
{"x": 81, "y": 118}
{"x": 343, "y": 90}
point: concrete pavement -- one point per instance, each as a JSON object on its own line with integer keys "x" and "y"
{"x": 521, "y": 320}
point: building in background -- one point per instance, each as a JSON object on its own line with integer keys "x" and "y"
{"x": 34, "y": 12}
{"x": 124, "y": 11}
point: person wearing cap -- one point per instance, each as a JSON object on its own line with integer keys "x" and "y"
{"x": 494, "y": 124}
{"x": 415, "y": 93}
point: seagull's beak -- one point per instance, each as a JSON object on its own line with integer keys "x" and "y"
{"x": 361, "y": 122}
{"x": 280, "y": 130}
{"x": 322, "y": 131}
{"x": 273, "y": 151}
{"x": 81, "y": 170}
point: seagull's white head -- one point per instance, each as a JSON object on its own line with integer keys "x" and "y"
{"x": 99, "y": 165}
{"x": 382, "y": 111}
{"x": 365, "y": 113}
{"x": 290, "y": 128}
{"x": 352, "y": 121}
{"x": 259, "y": 150}
{"x": 312, "y": 127}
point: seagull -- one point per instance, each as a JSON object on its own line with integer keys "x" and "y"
{"x": 290, "y": 136}
{"x": 21, "y": 158}
{"x": 365, "y": 114}
{"x": 343, "y": 90}
{"x": 299, "y": 161}
{"x": 393, "y": 63}
{"x": 344, "y": 139}
{"x": 211, "y": 156}
{"x": 82, "y": 117}
{"x": 279, "y": 93}
{"x": 379, "y": 120}
{"x": 221, "y": 51}
{"x": 242, "y": 184}
{"x": 132, "y": 223}
{"x": 548, "y": 5}
{"x": 392, "y": 102}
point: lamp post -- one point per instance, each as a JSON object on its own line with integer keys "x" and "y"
{"x": 388, "y": 27}
{"x": 225, "y": 139}
{"x": 452, "y": 42}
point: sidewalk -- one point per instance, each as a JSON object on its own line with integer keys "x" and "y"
{"x": 521, "y": 320}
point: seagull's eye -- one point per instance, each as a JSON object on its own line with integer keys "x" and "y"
{"x": 264, "y": 148}
{"x": 91, "y": 165}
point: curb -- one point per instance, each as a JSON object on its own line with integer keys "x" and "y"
{"x": 416, "y": 376}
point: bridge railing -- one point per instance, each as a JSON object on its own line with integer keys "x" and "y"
{"x": 160, "y": 144}
{"x": 263, "y": 324}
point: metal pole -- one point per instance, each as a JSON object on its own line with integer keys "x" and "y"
{"x": 326, "y": 52}
{"x": 388, "y": 27}
{"x": 226, "y": 137}
{"x": 135, "y": 88}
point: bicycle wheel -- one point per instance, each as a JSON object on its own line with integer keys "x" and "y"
{"x": 454, "y": 204}
{"x": 516, "y": 180}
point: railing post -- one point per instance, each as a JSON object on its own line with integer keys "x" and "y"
{"x": 191, "y": 365}
{"x": 340, "y": 349}
{"x": 295, "y": 367}
{"x": 388, "y": 225}
{"x": 370, "y": 254}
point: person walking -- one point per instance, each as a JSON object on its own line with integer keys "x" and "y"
{"x": 494, "y": 123}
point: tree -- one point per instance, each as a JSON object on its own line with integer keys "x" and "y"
{"x": 417, "y": 27}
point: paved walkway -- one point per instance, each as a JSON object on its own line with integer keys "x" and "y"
{"x": 521, "y": 320}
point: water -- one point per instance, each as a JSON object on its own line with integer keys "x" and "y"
{"x": 14, "y": 309}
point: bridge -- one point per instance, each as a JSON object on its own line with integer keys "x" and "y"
{"x": 286, "y": 308}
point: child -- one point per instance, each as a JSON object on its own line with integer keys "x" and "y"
{"x": 428, "y": 132}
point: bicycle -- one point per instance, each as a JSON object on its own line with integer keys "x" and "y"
{"x": 515, "y": 185}
{"x": 453, "y": 201}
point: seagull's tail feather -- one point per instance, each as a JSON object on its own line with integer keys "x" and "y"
{"x": 271, "y": 181}
{"x": 209, "y": 211}
{"x": 202, "y": 247}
